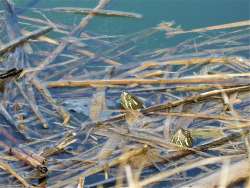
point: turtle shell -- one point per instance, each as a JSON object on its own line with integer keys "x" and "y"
{"x": 183, "y": 138}
{"x": 130, "y": 102}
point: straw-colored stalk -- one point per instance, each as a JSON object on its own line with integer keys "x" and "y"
{"x": 210, "y": 28}
{"x": 186, "y": 80}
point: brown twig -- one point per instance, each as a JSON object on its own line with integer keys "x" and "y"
{"x": 6, "y": 167}
{"x": 34, "y": 160}
{"x": 30, "y": 159}
{"x": 186, "y": 80}
{"x": 210, "y": 28}
{"x": 201, "y": 116}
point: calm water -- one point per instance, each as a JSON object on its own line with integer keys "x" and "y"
{"x": 189, "y": 14}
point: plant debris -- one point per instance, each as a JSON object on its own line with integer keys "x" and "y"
{"x": 82, "y": 110}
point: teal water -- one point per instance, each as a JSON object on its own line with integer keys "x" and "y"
{"x": 187, "y": 14}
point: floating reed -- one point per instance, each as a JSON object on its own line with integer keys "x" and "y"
{"x": 216, "y": 78}
{"x": 92, "y": 11}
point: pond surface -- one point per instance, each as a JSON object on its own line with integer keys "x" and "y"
{"x": 188, "y": 14}
{"x": 182, "y": 81}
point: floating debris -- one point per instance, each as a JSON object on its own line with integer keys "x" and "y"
{"x": 81, "y": 109}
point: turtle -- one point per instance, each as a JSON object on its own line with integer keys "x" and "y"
{"x": 130, "y": 102}
{"x": 183, "y": 138}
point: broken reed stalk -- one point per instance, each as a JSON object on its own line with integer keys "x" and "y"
{"x": 81, "y": 182}
{"x": 195, "y": 98}
{"x": 44, "y": 91}
{"x": 201, "y": 116}
{"x": 92, "y": 11}
{"x": 60, "y": 145}
{"x": 217, "y": 78}
{"x": 6, "y": 167}
{"x": 16, "y": 42}
{"x": 36, "y": 161}
{"x": 41, "y": 38}
{"x": 191, "y": 61}
{"x": 94, "y": 55}
{"x": 182, "y": 88}
{"x": 230, "y": 49}
{"x": 56, "y": 27}
{"x": 210, "y": 28}
{"x": 29, "y": 159}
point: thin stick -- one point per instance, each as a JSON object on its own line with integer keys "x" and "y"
{"x": 210, "y": 28}
{"x": 10, "y": 170}
{"x": 186, "y": 80}
{"x": 192, "y": 61}
{"x": 14, "y": 43}
{"x": 57, "y": 27}
{"x": 194, "y": 98}
{"x": 60, "y": 145}
{"x": 201, "y": 116}
{"x": 94, "y": 55}
{"x": 41, "y": 38}
{"x": 97, "y": 12}
{"x": 28, "y": 159}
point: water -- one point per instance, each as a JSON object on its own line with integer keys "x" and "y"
{"x": 188, "y": 14}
